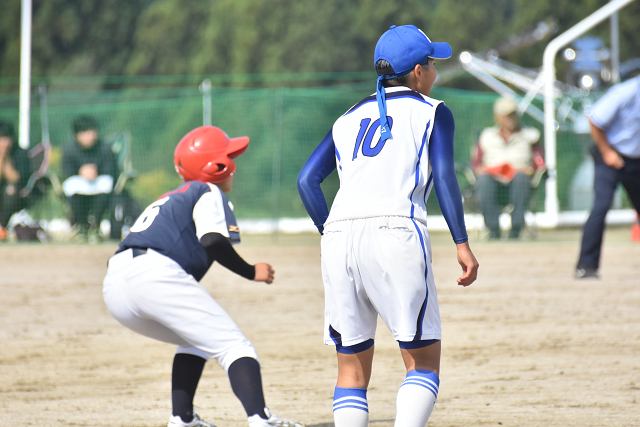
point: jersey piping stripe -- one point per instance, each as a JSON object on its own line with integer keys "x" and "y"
{"x": 389, "y": 96}
{"x": 183, "y": 188}
{"x": 426, "y": 272}
{"x": 417, "y": 174}
{"x": 427, "y": 188}
{"x": 338, "y": 157}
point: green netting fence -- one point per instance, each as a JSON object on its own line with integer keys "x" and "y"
{"x": 284, "y": 123}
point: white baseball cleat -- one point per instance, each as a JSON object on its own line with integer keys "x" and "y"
{"x": 273, "y": 421}
{"x": 176, "y": 421}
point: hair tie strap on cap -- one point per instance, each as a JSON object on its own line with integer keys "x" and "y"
{"x": 385, "y": 130}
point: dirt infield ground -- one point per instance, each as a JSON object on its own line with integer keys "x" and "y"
{"x": 526, "y": 345}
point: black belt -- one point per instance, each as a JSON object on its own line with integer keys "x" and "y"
{"x": 138, "y": 251}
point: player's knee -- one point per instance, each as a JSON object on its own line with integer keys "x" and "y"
{"x": 194, "y": 352}
{"x": 226, "y": 358}
{"x": 422, "y": 355}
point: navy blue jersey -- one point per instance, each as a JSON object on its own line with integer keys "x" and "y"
{"x": 174, "y": 224}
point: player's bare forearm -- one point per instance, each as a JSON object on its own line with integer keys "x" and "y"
{"x": 469, "y": 264}
{"x": 264, "y": 273}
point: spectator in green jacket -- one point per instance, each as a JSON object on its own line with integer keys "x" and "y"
{"x": 89, "y": 168}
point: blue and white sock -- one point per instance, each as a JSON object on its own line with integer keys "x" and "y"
{"x": 416, "y": 398}
{"x": 350, "y": 407}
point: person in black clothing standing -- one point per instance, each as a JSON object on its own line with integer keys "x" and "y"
{"x": 89, "y": 167}
{"x": 14, "y": 174}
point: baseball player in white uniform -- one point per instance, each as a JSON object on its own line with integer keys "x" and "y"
{"x": 152, "y": 288}
{"x": 390, "y": 150}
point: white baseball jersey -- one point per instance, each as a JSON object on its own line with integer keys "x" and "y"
{"x": 390, "y": 178}
{"x": 376, "y": 255}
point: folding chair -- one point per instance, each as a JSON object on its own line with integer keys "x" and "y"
{"x": 42, "y": 178}
{"x": 124, "y": 210}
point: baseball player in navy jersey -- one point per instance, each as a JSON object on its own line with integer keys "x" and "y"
{"x": 152, "y": 288}
{"x": 390, "y": 150}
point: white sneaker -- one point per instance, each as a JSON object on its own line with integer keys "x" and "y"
{"x": 176, "y": 421}
{"x": 273, "y": 421}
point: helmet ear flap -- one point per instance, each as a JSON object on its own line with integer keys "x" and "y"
{"x": 218, "y": 170}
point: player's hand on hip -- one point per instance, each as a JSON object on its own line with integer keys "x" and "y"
{"x": 469, "y": 264}
{"x": 264, "y": 273}
{"x": 613, "y": 159}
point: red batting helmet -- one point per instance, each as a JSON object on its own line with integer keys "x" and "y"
{"x": 205, "y": 154}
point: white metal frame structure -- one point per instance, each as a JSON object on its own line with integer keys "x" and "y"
{"x": 549, "y": 78}
{"x": 558, "y": 102}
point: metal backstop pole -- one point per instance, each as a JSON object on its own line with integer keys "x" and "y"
{"x": 25, "y": 75}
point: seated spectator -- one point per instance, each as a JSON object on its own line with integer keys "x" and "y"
{"x": 507, "y": 156}
{"x": 14, "y": 174}
{"x": 90, "y": 169}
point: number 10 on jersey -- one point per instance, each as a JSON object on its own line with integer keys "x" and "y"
{"x": 366, "y": 133}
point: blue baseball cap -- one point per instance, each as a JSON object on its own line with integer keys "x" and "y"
{"x": 403, "y": 48}
{"x": 406, "y": 46}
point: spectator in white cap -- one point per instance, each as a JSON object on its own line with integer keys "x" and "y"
{"x": 506, "y": 157}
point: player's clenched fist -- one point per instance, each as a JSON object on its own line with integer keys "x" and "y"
{"x": 264, "y": 273}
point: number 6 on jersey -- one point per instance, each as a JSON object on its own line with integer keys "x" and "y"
{"x": 145, "y": 219}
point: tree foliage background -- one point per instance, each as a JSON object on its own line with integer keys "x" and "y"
{"x": 194, "y": 38}
{"x": 159, "y": 37}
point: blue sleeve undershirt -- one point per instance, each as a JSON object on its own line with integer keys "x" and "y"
{"x": 319, "y": 166}
{"x": 322, "y": 162}
{"x": 444, "y": 173}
